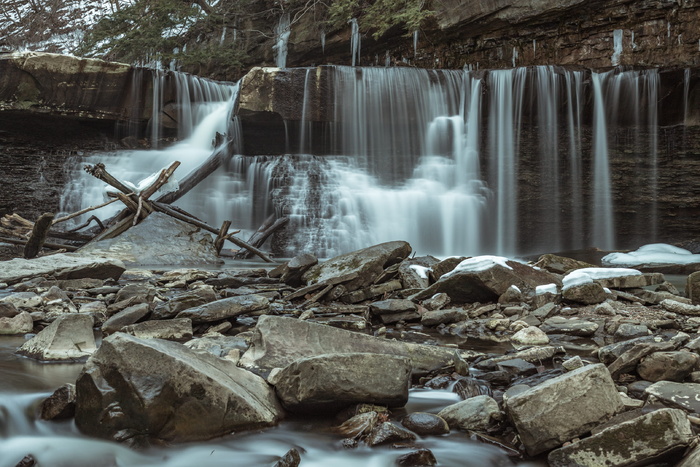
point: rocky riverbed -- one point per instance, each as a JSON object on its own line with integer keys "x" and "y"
{"x": 556, "y": 361}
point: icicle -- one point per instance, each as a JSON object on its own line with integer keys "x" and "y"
{"x": 617, "y": 47}
{"x": 515, "y": 56}
{"x": 415, "y": 43}
{"x": 355, "y": 42}
{"x": 282, "y": 32}
{"x": 323, "y": 41}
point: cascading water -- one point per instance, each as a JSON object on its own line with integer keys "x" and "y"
{"x": 204, "y": 109}
{"x": 282, "y": 33}
{"x": 602, "y": 221}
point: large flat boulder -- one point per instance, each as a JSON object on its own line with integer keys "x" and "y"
{"x": 677, "y": 395}
{"x": 158, "y": 240}
{"x": 68, "y": 338}
{"x": 333, "y": 381}
{"x": 563, "y": 407}
{"x": 629, "y": 443}
{"x": 61, "y": 266}
{"x": 367, "y": 263}
{"x": 278, "y": 341}
{"x": 155, "y": 390}
{"x": 485, "y": 278}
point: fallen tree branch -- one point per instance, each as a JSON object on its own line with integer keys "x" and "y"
{"x": 270, "y": 226}
{"x": 82, "y": 211}
{"x": 52, "y": 246}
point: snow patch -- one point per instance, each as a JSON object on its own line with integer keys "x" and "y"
{"x": 478, "y": 264}
{"x": 588, "y": 275}
{"x": 548, "y": 288}
{"x": 655, "y": 253}
{"x": 422, "y": 271}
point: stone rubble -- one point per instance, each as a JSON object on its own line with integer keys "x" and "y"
{"x": 563, "y": 374}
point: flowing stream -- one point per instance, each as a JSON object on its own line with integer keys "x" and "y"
{"x": 25, "y": 383}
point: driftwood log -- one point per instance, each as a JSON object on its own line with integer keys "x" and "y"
{"x": 270, "y": 226}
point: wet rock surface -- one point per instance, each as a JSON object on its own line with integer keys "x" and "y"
{"x": 186, "y": 342}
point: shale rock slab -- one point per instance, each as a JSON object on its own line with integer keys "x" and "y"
{"x": 68, "y": 338}
{"x": 225, "y": 308}
{"x": 563, "y": 407}
{"x": 155, "y": 390}
{"x": 278, "y": 342}
{"x": 61, "y": 266}
{"x": 333, "y": 381}
{"x": 637, "y": 440}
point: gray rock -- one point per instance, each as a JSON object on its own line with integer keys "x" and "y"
{"x": 333, "y": 381}
{"x": 125, "y": 317}
{"x": 560, "y": 264}
{"x": 291, "y": 272}
{"x": 278, "y": 342}
{"x": 675, "y": 306}
{"x": 414, "y": 273}
{"x": 545, "y": 311}
{"x": 677, "y": 395}
{"x": 611, "y": 352}
{"x": 692, "y": 287}
{"x": 573, "y": 326}
{"x": 587, "y": 294}
{"x": 143, "y": 244}
{"x": 605, "y": 309}
{"x": 155, "y": 390}
{"x": 24, "y": 300}
{"x": 487, "y": 283}
{"x": 563, "y": 407}
{"x": 530, "y": 335}
{"x": 389, "y": 432}
{"x": 359, "y": 425}
{"x": 692, "y": 459}
{"x": 59, "y": 405}
{"x": 630, "y": 331}
{"x": 291, "y": 459}
{"x": 517, "y": 367}
{"x": 629, "y": 443}
{"x": 423, "y": 423}
{"x": 668, "y": 366}
{"x": 61, "y": 266}
{"x": 184, "y": 301}
{"x": 371, "y": 292}
{"x": 176, "y": 329}
{"x": 225, "y": 308}
{"x": 367, "y": 263}
{"x": 631, "y": 282}
{"x": 436, "y": 302}
{"x": 627, "y": 362}
{"x": 512, "y": 295}
{"x": 68, "y": 338}
{"x": 451, "y": 315}
{"x": 21, "y": 323}
{"x": 391, "y": 306}
{"x": 8, "y": 310}
{"x": 419, "y": 458}
{"x": 403, "y": 316}
{"x": 143, "y": 293}
{"x": 476, "y": 413}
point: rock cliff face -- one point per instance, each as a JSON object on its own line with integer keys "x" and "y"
{"x": 507, "y": 33}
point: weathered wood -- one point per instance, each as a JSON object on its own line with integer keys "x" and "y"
{"x": 219, "y": 242}
{"x": 50, "y": 245}
{"x": 83, "y": 211}
{"x": 38, "y": 236}
{"x": 193, "y": 178}
{"x": 114, "y": 230}
{"x": 87, "y": 222}
{"x": 162, "y": 179}
{"x": 270, "y": 226}
{"x": 99, "y": 171}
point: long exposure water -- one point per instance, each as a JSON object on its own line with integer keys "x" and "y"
{"x": 24, "y": 383}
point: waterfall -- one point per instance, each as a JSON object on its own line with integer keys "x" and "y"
{"x": 575, "y": 103}
{"x": 282, "y": 33}
{"x": 355, "y": 42}
{"x": 204, "y": 109}
{"x": 157, "y": 107}
{"x": 602, "y": 220}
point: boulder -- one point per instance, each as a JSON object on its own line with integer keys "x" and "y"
{"x": 530, "y": 335}
{"x": 225, "y": 308}
{"x": 389, "y": 432}
{"x": 368, "y": 264}
{"x": 436, "y": 302}
{"x": 291, "y": 272}
{"x": 8, "y": 309}
{"x": 628, "y": 360}
{"x": 414, "y": 273}
{"x": 330, "y": 382}
{"x": 667, "y": 366}
{"x": 142, "y": 293}
{"x": 485, "y": 278}
{"x": 60, "y": 404}
{"x": 692, "y": 287}
{"x": 587, "y": 294}
{"x": 278, "y": 342}
{"x": 177, "y": 329}
{"x": 477, "y": 413}
{"x": 423, "y": 423}
{"x": 68, "y": 338}
{"x": 570, "y": 326}
{"x": 125, "y": 317}
{"x": 143, "y": 244}
{"x": 435, "y": 317}
{"x": 155, "y": 390}
{"x": 394, "y": 310}
{"x": 611, "y": 352}
{"x": 219, "y": 346}
{"x": 681, "y": 308}
{"x": 21, "y": 323}
{"x": 422, "y": 457}
{"x": 560, "y": 264}
{"x": 631, "y": 331}
{"x": 677, "y": 395}
{"x": 184, "y": 301}
{"x": 61, "y": 266}
{"x": 629, "y": 443}
{"x": 563, "y": 407}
